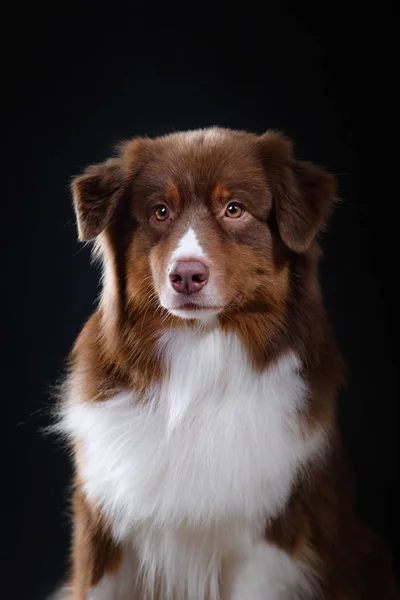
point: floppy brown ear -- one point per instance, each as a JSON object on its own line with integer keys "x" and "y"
{"x": 303, "y": 193}
{"x": 95, "y": 194}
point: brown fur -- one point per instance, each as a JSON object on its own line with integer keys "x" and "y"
{"x": 267, "y": 265}
{"x": 220, "y": 192}
{"x": 319, "y": 526}
{"x": 94, "y": 552}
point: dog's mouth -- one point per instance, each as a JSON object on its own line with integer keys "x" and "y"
{"x": 194, "y": 306}
{"x": 190, "y": 309}
{"x": 193, "y": 303}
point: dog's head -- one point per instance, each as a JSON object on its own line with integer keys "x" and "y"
{"x": 202, "y": 222}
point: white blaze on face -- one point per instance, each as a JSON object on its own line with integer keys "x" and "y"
{"x": 188, "y": 248}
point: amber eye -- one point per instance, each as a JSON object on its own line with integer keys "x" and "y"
{"x": 161, "y": 212}
{"x": 234, "y": 210}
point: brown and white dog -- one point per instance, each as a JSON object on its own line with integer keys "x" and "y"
{"x": 200, "y": 400}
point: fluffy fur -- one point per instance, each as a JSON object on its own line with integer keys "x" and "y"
{"x": 178, "y": 478}
{"x": 208, "y": 462}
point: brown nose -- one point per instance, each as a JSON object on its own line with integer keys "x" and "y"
{"x": 188, "y": 276}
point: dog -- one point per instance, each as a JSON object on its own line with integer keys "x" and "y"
{"x": 200, "y": 400}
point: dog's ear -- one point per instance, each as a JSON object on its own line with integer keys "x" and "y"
{"x": 303, "y": 193}
{"x": 97, "y": 191}
{"x": 95, "y": 194}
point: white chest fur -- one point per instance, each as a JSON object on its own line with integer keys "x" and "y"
{"x": 214, "y": 449}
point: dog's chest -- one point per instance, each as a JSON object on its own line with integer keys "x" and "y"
{"x": 216, "y": 441}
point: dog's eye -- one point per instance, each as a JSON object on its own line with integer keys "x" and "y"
{"x": 161, "y": 212}
{"x": 234, "y": 210}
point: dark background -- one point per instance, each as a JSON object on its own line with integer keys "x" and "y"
{"x": 79, "y": 78}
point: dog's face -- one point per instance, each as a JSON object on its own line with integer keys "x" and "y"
{"x": 203, "y": 203}
{"x": 204, "y": 222}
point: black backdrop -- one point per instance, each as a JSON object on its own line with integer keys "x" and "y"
{"x": 78, "y": 78}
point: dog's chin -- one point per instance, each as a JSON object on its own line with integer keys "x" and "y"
{"x": 206, "y": 313}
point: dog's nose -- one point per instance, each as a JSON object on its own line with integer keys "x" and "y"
{"x": 188, "y": 276}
